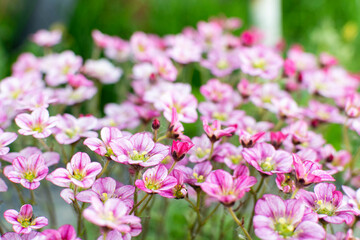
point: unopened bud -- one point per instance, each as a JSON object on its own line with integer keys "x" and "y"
{"x": 155, "y": 124}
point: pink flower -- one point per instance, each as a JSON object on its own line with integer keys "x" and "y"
{"x": 58, "y": 66}
{"x": 251, "y": 37}
{"x": 70, "y": 129}
{"x": 112, "y": 214}
{"x": 38, "y": 123}
{"x": 47, "y": 38}
{"x": 214, "y": 131}
{"x": 184, "y": 50}
{"x": 247, "y": 89}
{"x": 220, "y": 63}
{"x": 285, "y": 183}
{"x": 179, "y": 149}
{"x": 18, "y": 236}
{"x": 216, "y": 91}
{"x": 176, "y": 128}
{"x": 27, "y": 171}
{"x": 267, "y": 160}
{"x": 276, "y": 218}
{"x": 277, "y": 138}
{"x": 328, "y": 204}
{"x": 260, "y": 61}
{"x": 221, "y": 185}
{"x": 201, "y": 150}
{"x": 139, "y": 149}
{"x": 107, "y": 188}
{"x": 289, "y": 68}
{"x": 165, "y": 68}
{"x": 23, "y": 221}
{"x": 80, "y": 171}
{"x": 196, "y": 176}
{"x": 308, "y": 172}
{"x": 51, "y": 158}
{"x": 65, "y": 232}
{"x": 352, "y": 105}
{"x": 79, "y": 80}
{"x": 102, "y": 147}
{"x": 102, "y": 70}
{"x": 352, "y": 199}
{"x": 156, "y": 180}
{"x": 5, "y": 139}
{"x": 247, "y": 140}
{"x": 229, "y": 154}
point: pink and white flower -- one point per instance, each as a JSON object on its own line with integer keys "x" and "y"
{"x": 102, "y": 70}
{"x": 139, "y": 150}
{"x": 38, "y": 123}
{"x": 156, "y": 180}
{"x": 102, "y": 147}
{"x": 276, "y": 218}
{"x": 27, "y": 171}
{"x": 47, "y": 38}
{"x": 80, "y": 172}
{"x": 23, "y": 221}
{"x": 221, "y": 185}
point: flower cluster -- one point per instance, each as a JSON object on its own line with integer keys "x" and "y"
{"x": 244, "y": 139}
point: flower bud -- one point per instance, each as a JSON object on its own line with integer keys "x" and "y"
{"x": 155, "y": 124}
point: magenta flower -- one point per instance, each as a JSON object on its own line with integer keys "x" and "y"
{"x": 38, "y": 123}
{"x": 112, "y": 214}
{"x": 107, "y": 188}
{"x": 267, "y": 160}
{"x": 197, "y": 175}
{"x": 179, "y": 149}
{"x": 277, "y": 139}
{"x": 102, "y": 70}
{"x": 260, "y": 61}
{"x": 45, "y": 38}
{"x": 51, "y": 158}
{"x": 201, "y": 150}
{"x": 65, "y": 232}
{"x": 308, "y": 172}
{"x": 23, "y": 221}
{"x": 70, "y": 129}
{"x": 276, "y": 218}
{"x": 221, "y": 185}
{"x": 352, "y": 198}
{"x": 5, "y": 139}
{"x": 328, "y": 204}
{"x": 139, "y": 149}
{"x": 216, "y": 91}
{"x": 102, "y": 147}
{"x": 27, "y": 171}
{"x": 214, "y": 131}
{"x": 248, "y": 140}
{"x": 285, "y": 183}
{"x": 176, "y": 129}
{"x": 156, "y": 180}
{"x": 80, "y": 171}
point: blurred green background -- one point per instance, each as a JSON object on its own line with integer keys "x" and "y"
{"x": 319, "y": 25}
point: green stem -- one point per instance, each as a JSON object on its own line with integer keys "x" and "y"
{"x": 138, "y": 204}
{"x": 353, "y": 159}
{"x": 104, "y": 169}
{"x": 294, "y": 193}
{"x": 161, "y": 138}
{"x": 346, "y": 138}
{"x": 278, "y": 126}
{"x": 145, "y": 205}
{"x": 239, "y": 223}
{"x": 20, "y": 195}
{"x": 50, "y": 205}
{"x": 172, "y": 167}
{"x": 42, "y": 142}
{"x": 211, "y": 150}
{"x": 32, "y": 200}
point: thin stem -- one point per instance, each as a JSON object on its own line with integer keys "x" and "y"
{"x": 43, "y": 143}
{"x": 346, "y": 138}
{"x": 104, "y": 235}
{"x": 137, "y": 173}
{"x": 104, "y": 169}
{"x": 138, "y": 204}
{"x": 278, "y": 126}
{"x": 155, "y": 135}
{"x": 211, "y": 151}
{"x": 207, "y": 218}
{"x": 20, "y": 195}
{"x": 353, "y": 159}
{"x": 66, "y": 160}
{"x": 32, "y": 200}
{"x": 172, "y": 167}
{"x": 145, "y": 205}
{"x": 50, "y": 205}
{"x": 161, "y": 138}
{"x": 239, "y": 223}
{"x": 294, "y": 193}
